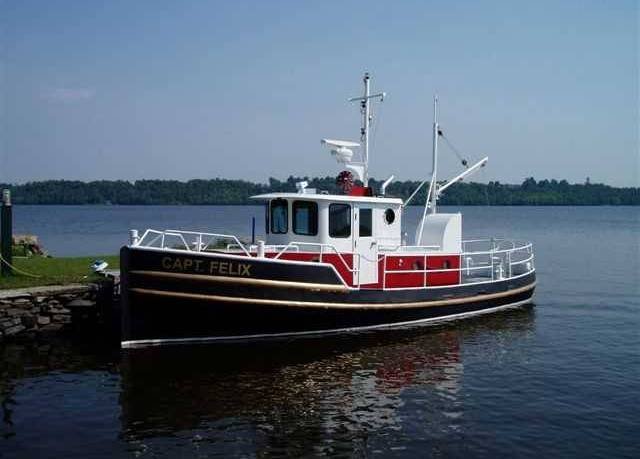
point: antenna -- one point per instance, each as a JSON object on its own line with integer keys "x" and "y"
{"x": 367, "y": 117}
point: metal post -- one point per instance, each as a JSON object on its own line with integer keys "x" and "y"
{"x": 253, "y": 230}
{"x": 6, "y": 234}
{"x": 365, "y": 127}
{"x": 434, "y": 177}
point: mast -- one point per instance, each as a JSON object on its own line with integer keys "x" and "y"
{"x": 434, "y": 175}
{"x": 432, "y": 193}
{"x": 366, "y": 121}
{"x": 435, "y": 190}
{"x": 367, "y": 118}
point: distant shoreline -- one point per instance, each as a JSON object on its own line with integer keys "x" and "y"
{"x": 238, "y": 192}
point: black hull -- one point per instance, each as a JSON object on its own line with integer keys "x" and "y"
{"x": 169, "y": 301}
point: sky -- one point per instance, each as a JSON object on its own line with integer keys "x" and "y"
{"x": 246, "y": 89}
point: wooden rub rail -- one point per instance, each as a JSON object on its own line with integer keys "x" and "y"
{"x": 332, "y": 305}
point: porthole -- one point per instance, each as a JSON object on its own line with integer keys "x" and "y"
{"x": 389, "y": 216}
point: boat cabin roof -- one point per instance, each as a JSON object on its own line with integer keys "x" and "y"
{"x": 329, "y": 197}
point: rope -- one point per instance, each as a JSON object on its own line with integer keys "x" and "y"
{"x": 454, "y": 149}
{"x": 2, "y": 260}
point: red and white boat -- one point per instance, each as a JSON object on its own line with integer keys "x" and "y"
{"x": 328, "y": 264}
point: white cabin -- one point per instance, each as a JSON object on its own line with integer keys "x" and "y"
{"x": 344, "y": 222}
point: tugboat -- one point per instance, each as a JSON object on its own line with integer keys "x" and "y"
{"x": 329, "y": 263}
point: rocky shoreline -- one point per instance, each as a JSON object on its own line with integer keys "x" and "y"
{"x": 41, "y": 312}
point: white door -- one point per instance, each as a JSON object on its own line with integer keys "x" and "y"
{"x": 365, "y": 247}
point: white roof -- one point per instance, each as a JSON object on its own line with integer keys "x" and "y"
{"x": 328, "y": 197}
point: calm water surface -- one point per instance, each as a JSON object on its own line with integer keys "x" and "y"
{"x": 560, "y": 379}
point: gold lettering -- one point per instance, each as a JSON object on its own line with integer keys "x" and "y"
{"x": 245, "y": 270}
{"x": 224, "y": 267}
{"x": 166, "y": 262}
{"x": 213, "y": 267}
{"x": 198, "y": 268}
{"x": 187, "y": 263}
{"x": 177, "y": 265}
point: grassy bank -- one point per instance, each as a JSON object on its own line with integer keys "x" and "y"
{"x": 54, "y": 271}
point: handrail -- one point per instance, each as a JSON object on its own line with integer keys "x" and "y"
{"x": 296, "y": 244}
{"x": 498, "y": 261}
{"x": 180, "y": 234}
{"x": 401, "y": 248}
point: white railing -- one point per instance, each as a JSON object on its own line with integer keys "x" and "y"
{"x": 490, "y": 264}
{"x": 493, "y": 259}
{"x": 323, "y": 249}
{"x": 198, "y": 241}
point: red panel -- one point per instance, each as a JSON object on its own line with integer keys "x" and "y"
{"x": 397, "y": 267}
{"x": 361, "y": 191}
{"x": 398, "y": 278}
{"x": 343, "y": 270}
{"x": 331, "y": 258}
{"x": 443, "y": 262}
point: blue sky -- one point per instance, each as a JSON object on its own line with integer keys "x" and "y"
{"x": 158, "y": 89}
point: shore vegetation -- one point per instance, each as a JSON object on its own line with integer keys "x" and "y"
{"x": 42, "y": 271}
{"x": 233, "y": 192}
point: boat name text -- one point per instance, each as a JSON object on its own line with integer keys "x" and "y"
{"x": 228, "y": 268}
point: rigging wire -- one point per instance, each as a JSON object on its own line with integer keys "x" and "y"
{"x": 457, "y": 152}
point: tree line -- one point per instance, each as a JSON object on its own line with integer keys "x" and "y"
{"x": 224, "y": 191}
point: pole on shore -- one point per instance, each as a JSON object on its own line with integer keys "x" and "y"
{"x": 253, "y": 230}
{"x": 6, "y": 234}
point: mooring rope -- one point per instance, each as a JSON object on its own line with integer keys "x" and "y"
{"x": 2, "y": 260}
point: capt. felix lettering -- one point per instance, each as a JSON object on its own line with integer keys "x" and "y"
{"x": 213, "y": 267}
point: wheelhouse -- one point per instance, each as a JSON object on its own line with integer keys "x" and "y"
{"x": 323, "y": 219}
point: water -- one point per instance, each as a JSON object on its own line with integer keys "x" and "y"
{"x": 560, "y": 379}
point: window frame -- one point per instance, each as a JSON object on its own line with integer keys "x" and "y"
{"x": 313, "y": 216}
{"x": 385, "y": 215}
{"x": 286, "y": 220}
{"x": 367, "y": 210}
{"x": 347, "y": 206}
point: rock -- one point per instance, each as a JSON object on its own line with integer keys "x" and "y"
{"x": 51, "y": 328}
{"x": 28, "y": 321}
{"x": 78, "y": 303}
{"x": 65, "y": 297}
{"x": 15, "y": 312}
{"x": 61, "y": 318}
{"x": 14, "y": 330}
{"x": 21, "y": 302}
{"x": 10, "y": 322}
{"x": 53, "y": 303}
{"x": 40, "y": 299}
{"x": 43, "y": 320}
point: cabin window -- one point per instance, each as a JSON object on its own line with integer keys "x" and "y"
{"x": 389, "y": 216}
{"x": 305, "y": 218}
{"x": 366, "y": 222}
{"x": 266, "y": 218}
{"x": 279, "y": 216}
{"x": 339, "y": 220}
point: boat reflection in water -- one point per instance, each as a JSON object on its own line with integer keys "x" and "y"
{"x": 307, "y": 397}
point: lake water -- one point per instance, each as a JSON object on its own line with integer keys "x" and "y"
{"x": 561, "y": 379}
